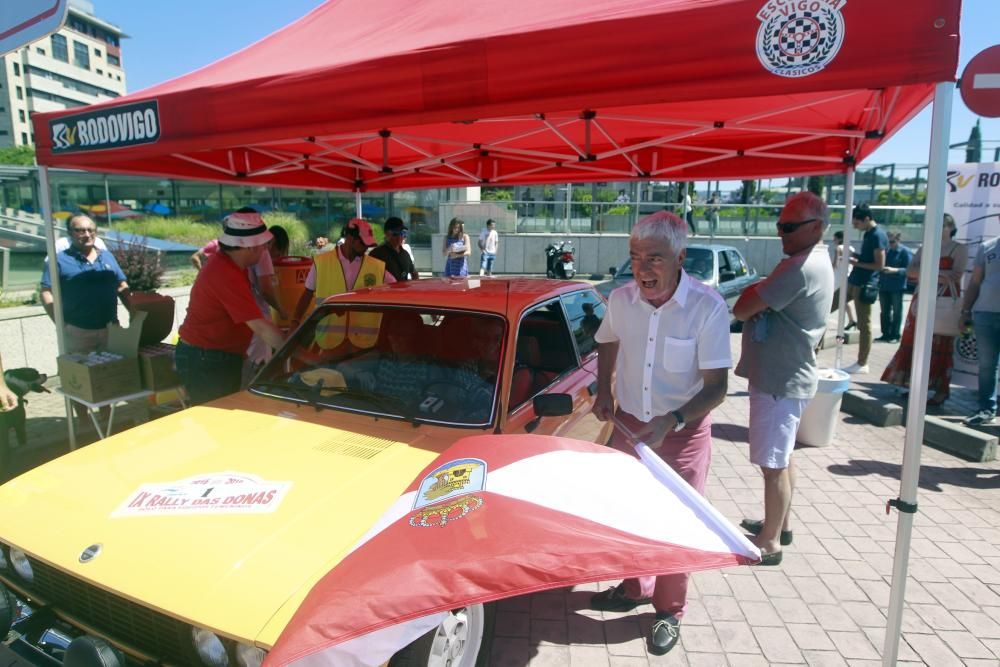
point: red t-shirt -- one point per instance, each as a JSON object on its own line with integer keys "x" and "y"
{"x": 221, "y": 304}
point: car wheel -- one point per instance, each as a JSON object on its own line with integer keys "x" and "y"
{"x": 462, "y": 640}
{"x": 569, "y": 275}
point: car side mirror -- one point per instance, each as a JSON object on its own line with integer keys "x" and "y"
{"x": 549, "y": 405}
{"x": 726, "y": 276}
{"x": 613, "y": 270}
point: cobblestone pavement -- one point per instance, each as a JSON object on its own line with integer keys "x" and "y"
{"x": 826, "y": 603}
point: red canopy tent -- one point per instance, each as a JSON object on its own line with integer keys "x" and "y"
{"x": 389, "y": 95}
{"x": 369, "y": 95}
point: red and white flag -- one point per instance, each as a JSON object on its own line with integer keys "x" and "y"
{"x": 498, "y": 516}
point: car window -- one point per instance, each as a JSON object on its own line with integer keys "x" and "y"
{"x": 585, "y": 311}
{"x": 544, "y": 352}
{"x": 738, "y": 266}
{"x": 698, "y": 263}
{"x": 416, "y": 364}
{"x": 726, "y": 271}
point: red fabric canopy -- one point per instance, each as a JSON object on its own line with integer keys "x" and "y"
{"x": 394, "y": 94}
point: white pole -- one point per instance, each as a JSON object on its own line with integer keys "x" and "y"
{"x": 357, "y": 203}
{"x": 910, "y": 474}
{"x": 50, "y": 246}
{"x": 107, "y": 200}
{"x": 569, "y": 207}
{"x": 844, "y": 264}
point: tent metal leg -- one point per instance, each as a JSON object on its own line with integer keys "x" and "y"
{"x": 910, "y": 474}
{"x": 45, "y": 199}
{"x": 844, "y": 264}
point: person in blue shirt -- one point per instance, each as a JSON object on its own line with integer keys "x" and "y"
{"x": 891, "y": 286}
{"x": 90, "y": 283}
{"x": 867, "y": 267}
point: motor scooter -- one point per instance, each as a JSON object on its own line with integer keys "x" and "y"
{"x": 559, "y": 260}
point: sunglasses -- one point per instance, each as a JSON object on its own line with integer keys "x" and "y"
{"x": 401, "y": 232}
{"x": 789, "y": 227}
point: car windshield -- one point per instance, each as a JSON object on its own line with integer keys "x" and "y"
{"x": 417, "y": 364}
{"x": 697, "y": 264}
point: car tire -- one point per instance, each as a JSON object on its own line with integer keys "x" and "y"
{"x": 569, "y": 275}
{"x": 472, "y": 626}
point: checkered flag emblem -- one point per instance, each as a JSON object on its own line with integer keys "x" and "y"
{"x": 797, "y": 38}
{"x": 800, "y": 43}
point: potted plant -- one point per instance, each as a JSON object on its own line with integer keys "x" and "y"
{"x": 143, "y": 271}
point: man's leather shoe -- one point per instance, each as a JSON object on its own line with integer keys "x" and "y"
{"x": 664, "y": 635}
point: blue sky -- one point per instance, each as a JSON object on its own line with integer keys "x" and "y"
{"x": 170, "y": 39}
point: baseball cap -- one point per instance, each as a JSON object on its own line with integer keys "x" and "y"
{"x": 244, "y": 230}
{"x": 362, "y": 230}
{"x": 394, "y": 225}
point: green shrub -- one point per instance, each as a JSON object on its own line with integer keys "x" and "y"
{"x": 186, "y": 229}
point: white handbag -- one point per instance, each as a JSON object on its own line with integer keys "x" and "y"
{"x": 947, "y": 313}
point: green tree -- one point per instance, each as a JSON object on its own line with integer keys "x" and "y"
{"x": 974, "y": 147}
{"x": 19, "y": 155}
{"x": 816, "y": 184}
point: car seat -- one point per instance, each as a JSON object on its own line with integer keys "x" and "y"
{"x": 526, "y": 362}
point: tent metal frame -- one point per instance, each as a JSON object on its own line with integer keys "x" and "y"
{"x": 462, "y": 161}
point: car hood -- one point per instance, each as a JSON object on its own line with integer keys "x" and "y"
{"x": 242, "y": 570}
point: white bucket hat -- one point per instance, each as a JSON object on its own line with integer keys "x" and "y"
{"x": 244, "y": 230}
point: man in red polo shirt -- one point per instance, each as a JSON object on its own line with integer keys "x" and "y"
{"x": 222, "y": 315}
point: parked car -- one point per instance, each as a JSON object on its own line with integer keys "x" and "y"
{"x": 193, "y": 539}
{"x": 719, "y": 266}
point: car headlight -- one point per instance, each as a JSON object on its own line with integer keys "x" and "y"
{"x": 249, "y": 656}
{"x": 210, "y": 648}
{"x": 21, "y": 565}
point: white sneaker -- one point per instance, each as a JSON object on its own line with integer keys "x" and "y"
{"x": 856, "y": 369}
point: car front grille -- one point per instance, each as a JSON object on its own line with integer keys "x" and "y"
{"x": 121, "y": 620}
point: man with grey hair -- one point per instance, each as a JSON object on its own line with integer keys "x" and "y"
{"x": 667, "y": 336}
{"x": 785, "y": 319}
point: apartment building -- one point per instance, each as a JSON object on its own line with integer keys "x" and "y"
{"x": 80, "y": 64}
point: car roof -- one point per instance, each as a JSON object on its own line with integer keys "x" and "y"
{"x": 502, "y": 296}
{"x": 710, "y": 246}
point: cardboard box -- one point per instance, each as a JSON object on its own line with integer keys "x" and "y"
{"x": 100, "y": 376}
{"x": 156, "y": 366}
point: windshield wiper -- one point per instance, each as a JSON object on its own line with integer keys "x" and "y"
{"x": 296, "y": 391}
{"x": 380, "y": 401}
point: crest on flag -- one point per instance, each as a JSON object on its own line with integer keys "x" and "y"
{"x": 446, "y": 493}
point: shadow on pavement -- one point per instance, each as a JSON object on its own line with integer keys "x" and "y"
{"x": 931, "y": 477}
{"x": 732, "y": 432}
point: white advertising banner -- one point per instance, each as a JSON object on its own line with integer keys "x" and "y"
{"x": 973, "y": 199}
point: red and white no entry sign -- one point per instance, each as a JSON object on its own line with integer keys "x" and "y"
{"x": 25, "y": 21}
{"x": 980, "y": 83}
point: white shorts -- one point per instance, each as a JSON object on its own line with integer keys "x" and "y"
{"x": 774, "y": 422}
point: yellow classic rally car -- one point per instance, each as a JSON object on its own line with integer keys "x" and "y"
{"x": 193, "y": 539}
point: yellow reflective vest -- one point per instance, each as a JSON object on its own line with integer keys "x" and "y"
{"x": 359, "y": 328}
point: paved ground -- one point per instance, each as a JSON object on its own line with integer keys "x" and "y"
{"x": 826, "y": 604}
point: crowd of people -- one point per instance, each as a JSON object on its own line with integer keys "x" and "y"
{"x": 664, "y": 352}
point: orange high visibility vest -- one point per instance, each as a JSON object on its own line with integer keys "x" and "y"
{"x": 360, "y": 328}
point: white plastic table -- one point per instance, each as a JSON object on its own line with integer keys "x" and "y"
{"x": 94, "y": 408}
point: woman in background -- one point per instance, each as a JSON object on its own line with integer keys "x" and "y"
{"x": 457, "y": 249}
{"x": 954, "y": 257}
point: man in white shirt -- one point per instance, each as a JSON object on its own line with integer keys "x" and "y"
{"x": 667, "y": 336}
{"x": 489, "y": 241}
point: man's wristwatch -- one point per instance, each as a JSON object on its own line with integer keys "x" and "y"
{"x": 680, "y": 420}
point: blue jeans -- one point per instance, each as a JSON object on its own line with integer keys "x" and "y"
{"x": 486, "y": 262}
{"x": 891, "y": 312}
{"x": 987, "y": 328}
{"x": 207, "y": 374}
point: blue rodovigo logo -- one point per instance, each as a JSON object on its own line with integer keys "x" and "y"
{"x": 113, "y": 127}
